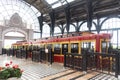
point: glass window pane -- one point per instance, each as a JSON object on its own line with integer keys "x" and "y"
{"x": 114, "y": 39}
{"x": 84, "y": 27}
{"x": 65, "y": 30}
{"x": 111, "y": 23}
{"x": 57, "y": 30}
{"x": 36, "y": 35}
{"x": 56, "y": 5}
{"x": 46, "y": 30}
{"x": 70, "y": 0}
{"x": 50, "y": 2}
{"x": 93, "y": 27}
{"x": 72, "y": 28}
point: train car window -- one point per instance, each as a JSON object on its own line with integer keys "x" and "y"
{"x": 88, "y": 46}
{"x": 74, "y": 48}
{"x": 42, "y": 46}
{"x": 64, "y": 48}
{"x": 14, "y": 47}
{"x": 34, "y": 47}
{"x": 84, "y": 45}
{"x": 19, "y": 47}
{"x": 38, "y": 48}
{"x": 30, "y": 48}
{"x": 57, "y": 49}
{"x": 104, "y": 46}
{"x": 92, "y": 46}
{"x": 27, "y": 47}
{"x": 49, "y": 46}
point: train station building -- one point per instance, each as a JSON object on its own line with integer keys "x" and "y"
{"x": 60, "y": 39}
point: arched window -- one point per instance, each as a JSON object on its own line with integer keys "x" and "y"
{"x": 65, "y": 30}
{"x": 27, "y": 13}
{"x": 72, "y": 28}
{"x": 36, "y": 35}
{"x": 93, "y": 27}
{"x": 57, "y": 31}
{"x": 84, "y": 27}
{"x": 114, "y": 39}
{"x": 46, "y": 30}
{"x": 111, "y": 23}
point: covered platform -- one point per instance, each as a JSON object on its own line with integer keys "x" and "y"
{"x": 56, "y": 71}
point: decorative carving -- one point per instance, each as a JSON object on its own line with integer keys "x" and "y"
{"x": 16, "y": 21}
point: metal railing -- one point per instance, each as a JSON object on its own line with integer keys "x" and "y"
{"x": 104, "y": 62}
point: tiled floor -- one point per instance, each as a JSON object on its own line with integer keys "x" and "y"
{"x": 42, "y": 71}
{"x": 33, "y": 70}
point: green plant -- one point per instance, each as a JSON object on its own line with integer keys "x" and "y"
{"x": 10, "y": 71}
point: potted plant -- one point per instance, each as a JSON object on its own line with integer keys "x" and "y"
{"x": 10, "y": 70}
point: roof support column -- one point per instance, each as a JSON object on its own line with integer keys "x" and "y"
{"x": 62, "y": 30}
{"x": 77, "y": 27}
{"x": 40, "y": 18}
{"x": 52, "y": 17}
{"x": 89, "y": 14}
{"x": 98, "y": 27}
{"x": 68, "y": 18}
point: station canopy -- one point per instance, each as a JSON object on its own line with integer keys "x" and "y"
{"x": 78, "y": 9}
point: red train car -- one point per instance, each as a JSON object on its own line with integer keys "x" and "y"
{"x": 74, "y": 43}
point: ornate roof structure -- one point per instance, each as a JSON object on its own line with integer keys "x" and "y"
{"x": 78, "y": 9}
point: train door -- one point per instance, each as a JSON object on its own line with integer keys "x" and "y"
{"x": 57, "y": 48}
{"x": 30, "y": 51}
{"x": 50, "y": 52}
{"x": 42, "y": 52}
{"x": 104, "y": 46}
{"x": 58, "y": 57}
{"x": 88, "y": 48}
{"x": 64, "y": 48}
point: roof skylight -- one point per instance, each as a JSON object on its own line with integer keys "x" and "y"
{"x": 57, "y": 3}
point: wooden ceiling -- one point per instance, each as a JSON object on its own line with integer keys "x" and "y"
{"x": 78, "y": 9}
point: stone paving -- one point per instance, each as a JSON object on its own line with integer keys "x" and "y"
{"x": 43, "y": 71}
{"x": 33, "y": 70}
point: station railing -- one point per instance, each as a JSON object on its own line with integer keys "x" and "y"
{"x": 103, "y": 62}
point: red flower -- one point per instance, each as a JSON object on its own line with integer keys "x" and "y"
{"x": 11, "y": 62}
{"x": 15, "y": 66}
{"x": 7, "y": 65}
